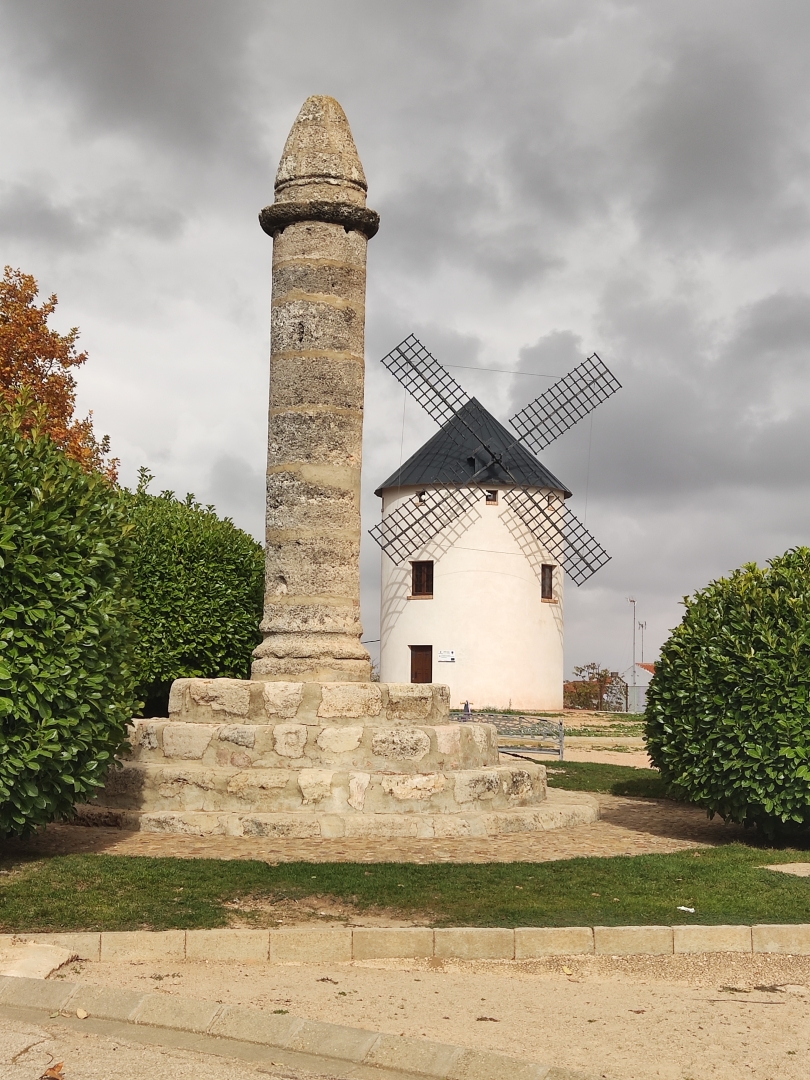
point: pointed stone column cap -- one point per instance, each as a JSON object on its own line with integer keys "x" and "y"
{"x": 320, "y": 159}
{"x": 320, "y": 176}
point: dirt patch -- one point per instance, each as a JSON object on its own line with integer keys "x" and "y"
{"x": 797, "y": 869}
{"x": 629, "y": 1018}
{"x": 265, "y": 912}
{"x": 616, "y": 755}
{"x": 578, "y": 720}
{"x": 27, "y": 1049}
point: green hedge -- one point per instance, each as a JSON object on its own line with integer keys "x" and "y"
{"x": 728, "y": 710}
{"x": 199, "y": 581}
{"x": 66, "y": 629}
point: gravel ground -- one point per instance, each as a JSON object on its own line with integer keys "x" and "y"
{"x": 633, "y": 1018}
{"x": 626, "y": 827}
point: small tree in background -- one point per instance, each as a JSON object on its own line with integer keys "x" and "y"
{"x": 36, "y": 368}
{"x": 616, "y": 694}
{"x": 599, "y": 678}
{"x": 66, "y": 626}
{"x": 579, "y": 694}
{"x": 199, "y": 582}
{"x": 595, "y": 689}
{"x": 728, "y": 709}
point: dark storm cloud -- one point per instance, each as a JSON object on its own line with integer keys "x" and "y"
{"x": 28, "y": 213}
{"x": 714, "y": 151}
{"x": 169, "y": 71}
{"x": 703, "y": 407}
{"x": 773, "y": 333}
{"x": 705, "y": 143}
{"x": 437, "y": 222}
{"x": 554, "y": 354}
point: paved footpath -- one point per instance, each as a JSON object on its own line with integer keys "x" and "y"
{"x": 627, "y": 827}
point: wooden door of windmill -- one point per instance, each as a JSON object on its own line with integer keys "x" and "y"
{"x": 421, "y": 663}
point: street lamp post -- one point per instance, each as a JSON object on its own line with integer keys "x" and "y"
{"x": 631, "y": 600}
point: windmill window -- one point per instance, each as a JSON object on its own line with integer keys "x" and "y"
{"x": 492, "y": 497}
{"x": 547, "y": 582}
{"x": 422, "y": 580}
{"x": 420, "y": 496}
{"x": 551, "y": 499}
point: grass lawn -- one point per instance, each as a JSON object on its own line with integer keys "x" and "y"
{"x": 606, "y": 731}
{"x": 605, "y": 779}
{"x": 108, "y": 892}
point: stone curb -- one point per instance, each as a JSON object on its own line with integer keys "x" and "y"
{"x": 354, "y": 1046}
{"x": 305, "y": 945}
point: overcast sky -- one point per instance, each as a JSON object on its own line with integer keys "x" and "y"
{"x": 553, "y": 178}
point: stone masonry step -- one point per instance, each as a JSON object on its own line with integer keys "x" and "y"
{"x": 195, "y": 787}
{"x": 541, "y": 818}
{"x": 374, "y": 748}
{"x": 349, "y": 1048}
{"x": 320, "y": 944}
{"x": 217, "y": 701}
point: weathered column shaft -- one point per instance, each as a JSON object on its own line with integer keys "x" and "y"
{"x": 320, "y": 229}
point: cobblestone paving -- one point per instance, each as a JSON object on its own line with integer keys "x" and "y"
{"x": 627, "y": 827}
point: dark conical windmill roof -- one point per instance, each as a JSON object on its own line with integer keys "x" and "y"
{"x": 455, "y": 453}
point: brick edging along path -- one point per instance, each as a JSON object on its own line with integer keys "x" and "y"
{"x": 344, "y": 944}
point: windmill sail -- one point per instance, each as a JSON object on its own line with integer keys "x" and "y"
{"x": 491, "y": 455}
{"x": 565, "y": 403}
{"x": 424, "y": 377}
{"x": 443, "y": 399}
{"x": 415, "y": 522}
{"x": 560, "y": 532}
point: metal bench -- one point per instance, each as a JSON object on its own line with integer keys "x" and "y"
{"x": 535, "y": 726}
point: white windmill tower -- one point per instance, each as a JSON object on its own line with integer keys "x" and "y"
{"x": 475, "y": 536}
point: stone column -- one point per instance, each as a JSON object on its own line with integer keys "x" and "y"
{"x": 320, "y": 227}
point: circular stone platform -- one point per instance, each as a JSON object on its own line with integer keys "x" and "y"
{"x": 299, "y": 760}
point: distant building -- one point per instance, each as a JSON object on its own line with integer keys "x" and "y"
{"x": 480, "y": 607}
{"x": 637, "y": 694}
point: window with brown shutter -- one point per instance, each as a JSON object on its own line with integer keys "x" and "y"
{"x": 421, "y": 663}
{"x": 547, "y": 582}
{"x": 422, "y": 580}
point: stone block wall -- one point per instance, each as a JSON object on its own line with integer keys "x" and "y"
{"x": 305, "y": 758}
{"x": 411, "y": 749}
{"x": 212, "y": 701}
{"x": 324, "y": 791}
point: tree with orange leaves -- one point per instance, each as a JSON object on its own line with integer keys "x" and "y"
{"x": 36, "y": 373}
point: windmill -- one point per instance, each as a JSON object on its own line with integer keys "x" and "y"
{"x": 494, "y": 454}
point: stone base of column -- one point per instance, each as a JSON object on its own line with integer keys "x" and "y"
{"x": 283, "y": 669}
{"x": 322, "y": 759}
{"x": 321, "y": 658}
{"x": 330, "y": 826}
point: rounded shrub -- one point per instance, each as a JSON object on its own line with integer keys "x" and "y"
{"x": 728, "y": 710}
{"x": 199, "y": 582}
{"x": 66, "y": 629}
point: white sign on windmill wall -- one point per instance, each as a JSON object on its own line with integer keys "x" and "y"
{"x": 475, "y": 535}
